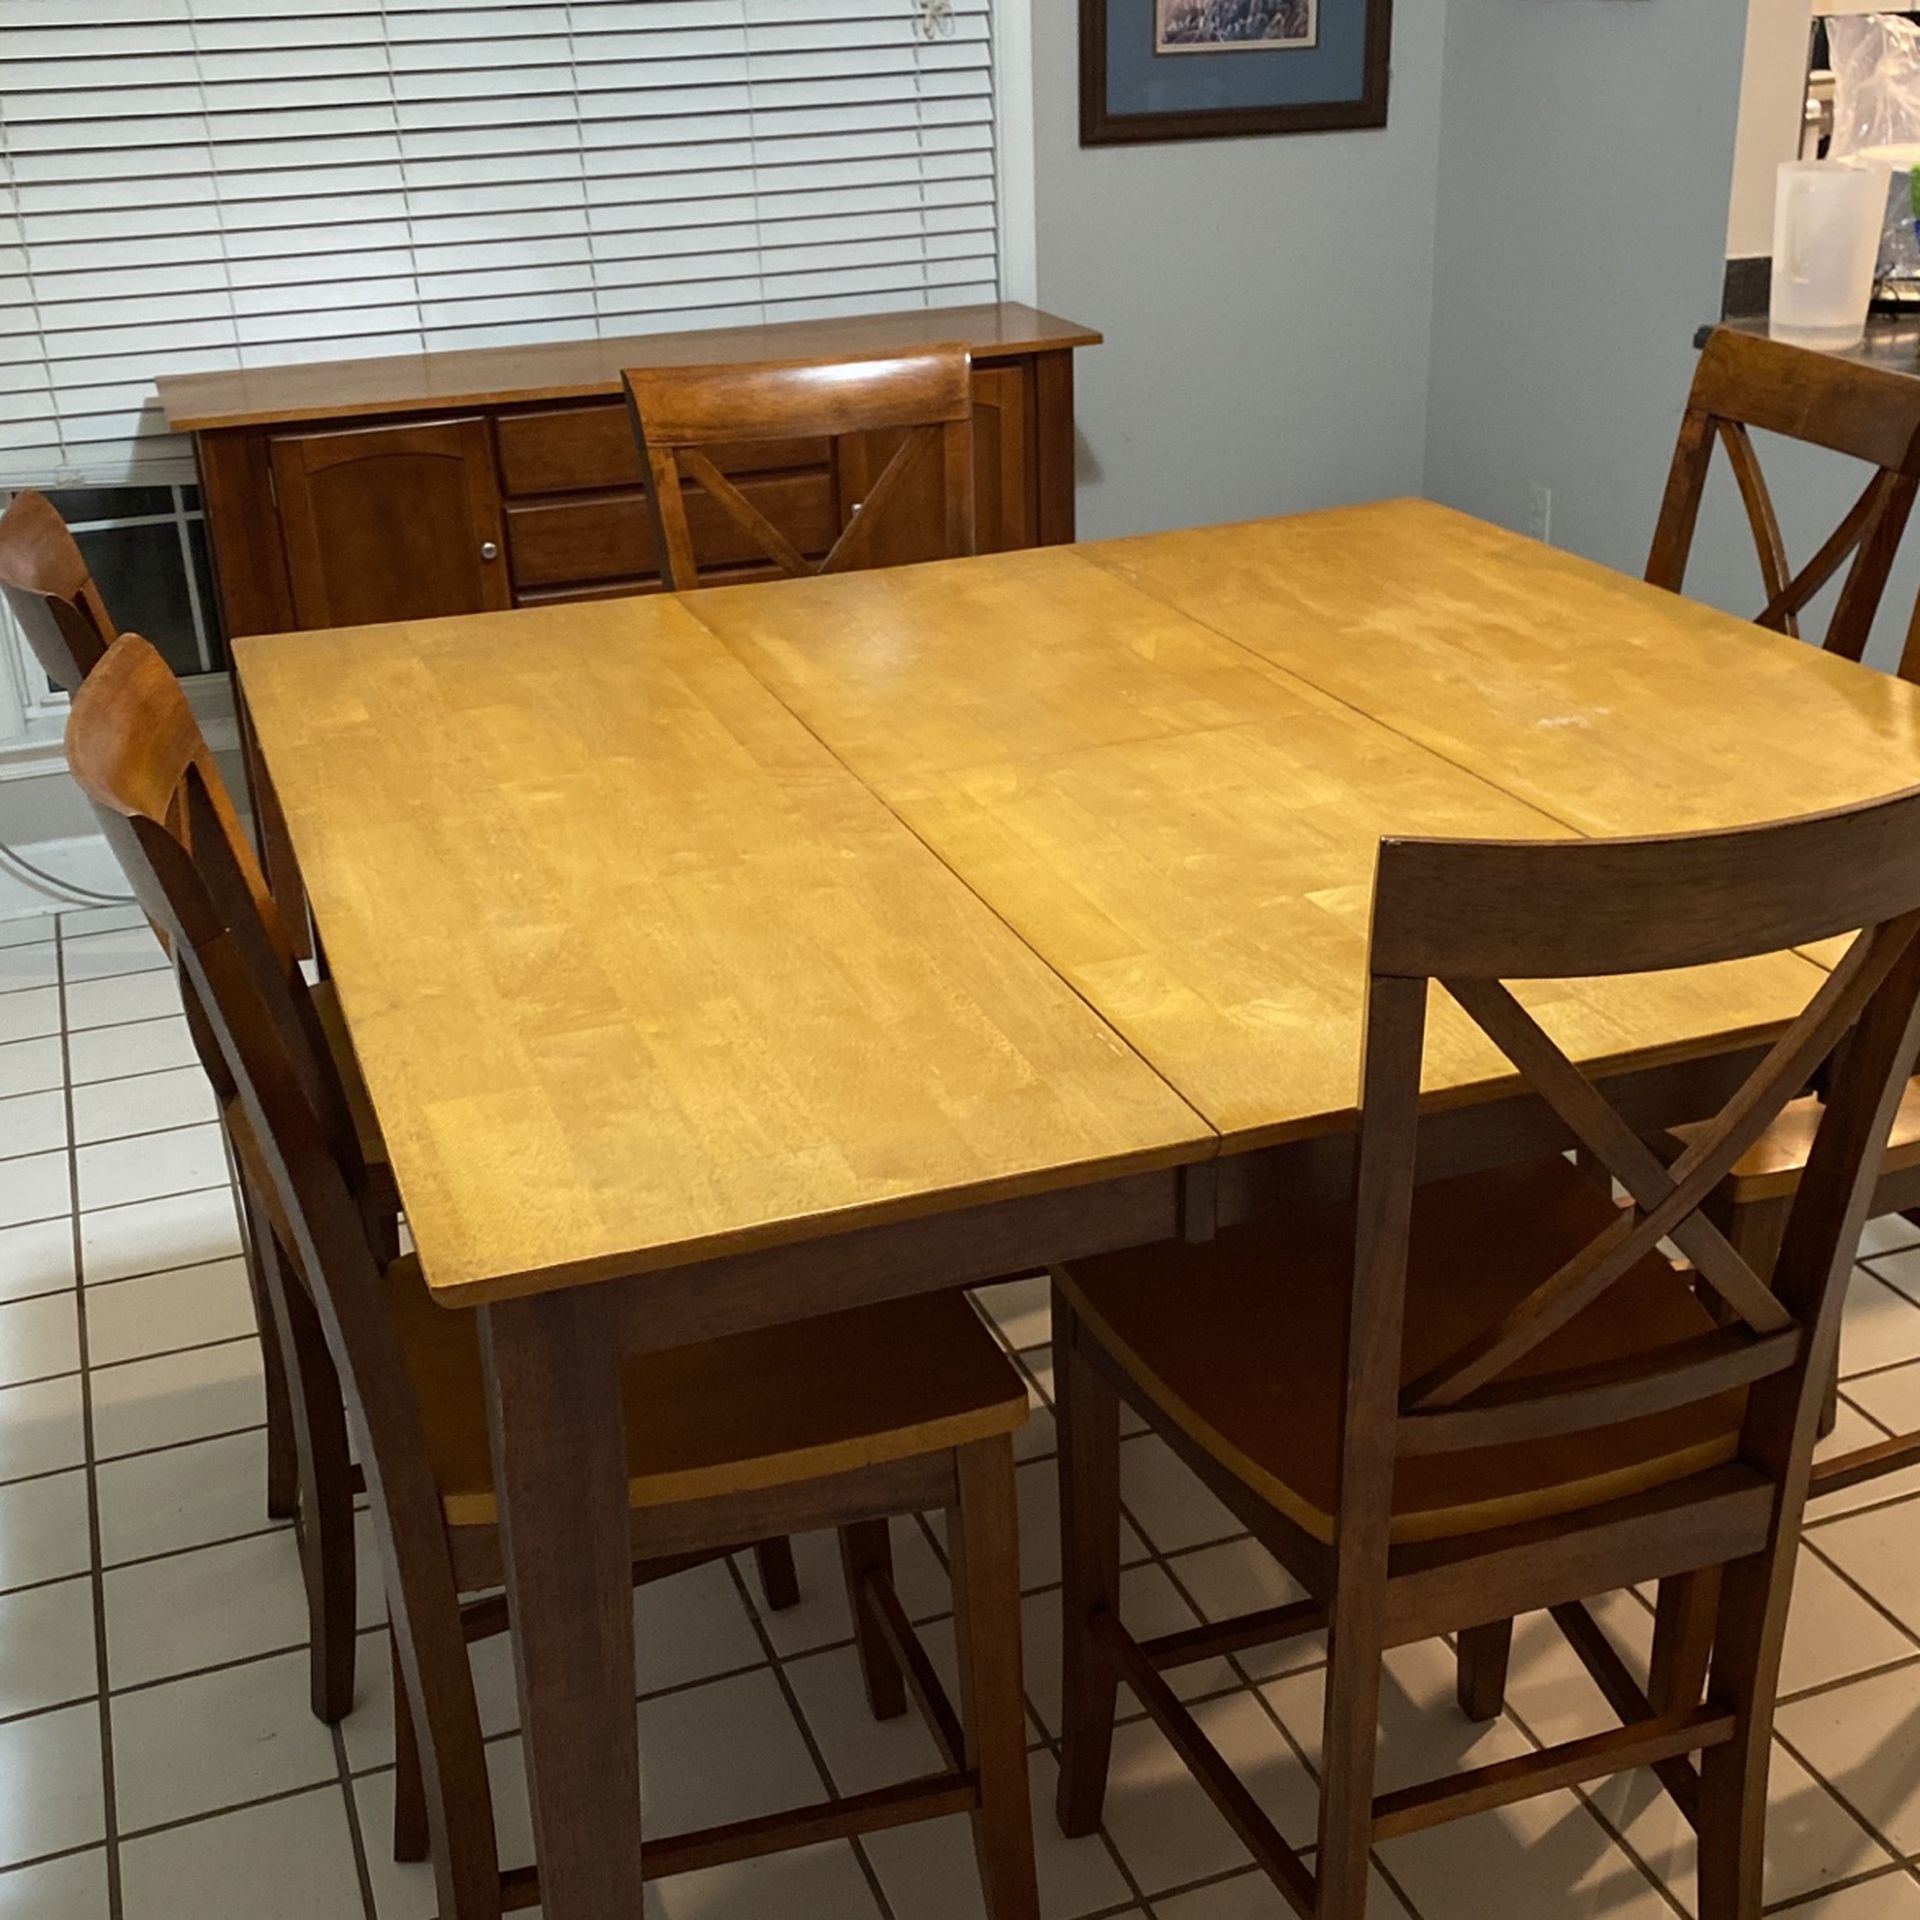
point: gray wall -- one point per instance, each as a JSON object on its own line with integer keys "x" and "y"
{"x": 1586, "y": 155}
{"x": 1267, "y": 303}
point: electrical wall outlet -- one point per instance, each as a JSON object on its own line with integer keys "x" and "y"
{"x": 1540, "y": 513}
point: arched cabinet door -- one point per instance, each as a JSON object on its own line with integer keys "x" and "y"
{"x": 398, "y": 522}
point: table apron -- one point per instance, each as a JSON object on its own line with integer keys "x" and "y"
{"x": 970, "y": 1246}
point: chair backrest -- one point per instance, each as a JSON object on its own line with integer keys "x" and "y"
{"x": 1472, "y": 915}
{"x": 680, "y": 412}
{"x": 141, "y": 743}
{"x": 1867, "y": 413}
{"x": 165, "y": 821}
{"x": 168, "y": 826}
{"x": 50, "y": 592}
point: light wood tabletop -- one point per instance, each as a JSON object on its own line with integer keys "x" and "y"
{"x": 636, "y": 972}
{"x": 1613, "y": 706}
{"x": 1183, "y": 829}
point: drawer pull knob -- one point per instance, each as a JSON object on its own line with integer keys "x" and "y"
{"x": 489, "y": 550}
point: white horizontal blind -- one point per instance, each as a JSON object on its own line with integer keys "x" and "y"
{"x": 208, "y": 184}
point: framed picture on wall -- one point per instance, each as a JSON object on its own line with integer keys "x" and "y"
{"x": 1214, "y": 69}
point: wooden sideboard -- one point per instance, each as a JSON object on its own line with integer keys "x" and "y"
{"x": 390, "y": 489}
{"x": 353, "y": 492}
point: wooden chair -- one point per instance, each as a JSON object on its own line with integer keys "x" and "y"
{"x": 50, "y": 592}
{"x": 681, "y": 413}
{"x": 1873, "y": 416}
{"x": 1442, "y": 1405}
{"x": 311, "y": 1477}
{"x": 839, "y": 1422}
{"x": 52, "y": 596}
{"x": 1745, "y": 382}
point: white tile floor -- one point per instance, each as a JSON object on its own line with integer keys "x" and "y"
{"x": 157, "y": 1760}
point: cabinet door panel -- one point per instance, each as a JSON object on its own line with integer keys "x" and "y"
{"x": 391, "y": 523}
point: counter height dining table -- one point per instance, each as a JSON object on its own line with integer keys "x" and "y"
{"x": 730, "y": 957}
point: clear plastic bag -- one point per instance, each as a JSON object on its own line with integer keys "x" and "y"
{"x": 1876, "y": 118}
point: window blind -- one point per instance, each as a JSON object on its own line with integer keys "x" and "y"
{"x": 208, "y": 184}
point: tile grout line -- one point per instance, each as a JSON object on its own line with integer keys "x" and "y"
{"x": 1812, "y": 1546}
{"x": 774, "y": 1662}
{"x": 1154, "y": 1556}
{"x": 103, "y": 1677}
{"x": 1845, "y": 1884}
{"x": 1139, "y": 1902}
{"x": 1834, "y": 1794}
{"x": 356, "y": 1835}
{"x": 1509, "y": 1712}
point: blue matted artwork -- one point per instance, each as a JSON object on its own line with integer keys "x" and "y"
{"x": 1195, "y": 69}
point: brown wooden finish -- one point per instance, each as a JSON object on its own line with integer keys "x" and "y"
{"x": 589, "y": 447}
{"x": 675, "y": 1433}
{"x": 1514, "y": 1400}
{"x": 49, "y": 591}
{"x": 1745, "y": 383}
{"x": 485, "y": 377}
{"x": 923, "y": 402}
{"x": 589, "y": 537}
{"x": 391, "y": 523}
{"x": 1100, "y": 126}
{"x": 1004, "y": 479}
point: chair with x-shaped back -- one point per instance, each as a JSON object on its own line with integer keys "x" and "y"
{"x": 1869, "y": 414}
{"x": 682, "y": 414}
{"x": 1441, "y": 1404}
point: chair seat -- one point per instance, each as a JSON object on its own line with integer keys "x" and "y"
{"x": 1772, "y": 1167}
{"x": 1240, "y": 1344}
{"x": 742, "y": 1414}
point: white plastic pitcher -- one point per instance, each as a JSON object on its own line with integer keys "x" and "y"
{"x": 1827, "y": 219}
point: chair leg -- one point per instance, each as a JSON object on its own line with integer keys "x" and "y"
{"x": 984, "y": 1550}
{"x": 443, "y": 1808}
{"x": 326, "y": 1488}
{"x": 1087, "y": 1416}
{"x": 1349, "y": 1739}
{"x": 1484, "y": 1656}
{"x": 779, "y": 1577}
{"x": 1733, "y": 1776}
{"x": 866, "y": 1549}
{"x": 1687, "y": 1607}
{"x": 410, "y": 1835}
{"x": 283, "y": 1459}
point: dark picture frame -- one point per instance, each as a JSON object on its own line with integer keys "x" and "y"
{"x": 1196, "y": 75}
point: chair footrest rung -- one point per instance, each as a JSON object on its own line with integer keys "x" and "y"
{"x": 1645, "y": 1743}
{"x": 923, "y": 1683}
{"x": 1855, "y": 1469}
{"x": 931, "y": 1797}
{"x": 1221, "y": 1637}
{"x": 1243, "y": 1813}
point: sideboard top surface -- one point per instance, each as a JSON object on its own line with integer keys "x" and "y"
{"x": 581, "y": 369}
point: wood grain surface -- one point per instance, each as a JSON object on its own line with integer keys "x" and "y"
{"x": 1184, "y": 830}
{"x": 638, "y": 973}
{"x": 1612, "y": 706}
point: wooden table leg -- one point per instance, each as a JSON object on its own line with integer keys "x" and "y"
{"x": 560, "y": 1470}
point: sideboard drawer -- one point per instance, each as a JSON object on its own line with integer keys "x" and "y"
{"x": 588, "y": 448}
{"x": 609, "y": 536}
